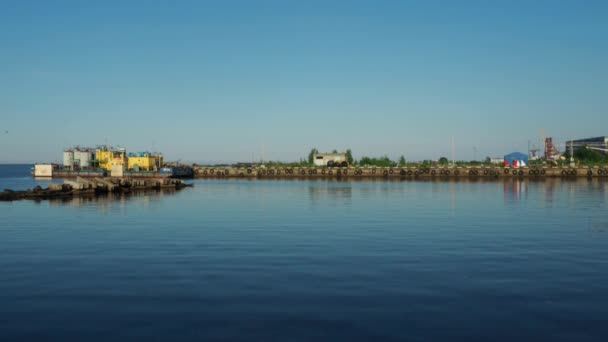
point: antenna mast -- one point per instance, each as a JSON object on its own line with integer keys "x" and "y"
{"x": 453, "y": 150}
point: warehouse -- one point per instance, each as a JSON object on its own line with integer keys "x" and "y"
{"x": 597, "y": 142}
{"x": 516, "y": 159}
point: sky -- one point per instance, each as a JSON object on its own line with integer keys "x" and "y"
{"x": 227, "y": 81}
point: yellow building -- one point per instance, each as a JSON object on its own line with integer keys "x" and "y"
{"x": 145, "y": 161}
{"x": 107, "y": 157}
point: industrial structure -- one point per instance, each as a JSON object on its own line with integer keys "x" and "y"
{"x": 107, "y": 157}
{"x": 86, "y": 161}
{"x": 551, "y": 152}
{"x": 145, "y": 161}
{"x": 107, "y": 160}
{"x": 598, "y": 143}
{"x": 78, "y": 157}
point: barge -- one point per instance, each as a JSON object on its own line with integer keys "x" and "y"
{"x": 57, "y": 171}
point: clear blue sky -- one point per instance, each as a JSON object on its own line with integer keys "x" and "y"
{"x": 219, "y": 80}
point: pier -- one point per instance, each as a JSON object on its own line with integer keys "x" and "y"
{"x": 446, "y": 172}
{"x": 92, "y": 187}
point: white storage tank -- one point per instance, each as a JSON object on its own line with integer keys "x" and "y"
{"x": 83, "y": 157}
{"x": 68, "y": 158}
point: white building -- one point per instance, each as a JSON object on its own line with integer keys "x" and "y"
{"x": 330, "y": 159}
{"x": 43, "y": 170}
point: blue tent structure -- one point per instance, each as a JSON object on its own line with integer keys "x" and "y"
{"x": 516, "y": 156}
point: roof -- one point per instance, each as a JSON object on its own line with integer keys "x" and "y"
{"x": 516, "y": 156}
{"x": 330, "y": 154}
{"x": 596, "y": 141}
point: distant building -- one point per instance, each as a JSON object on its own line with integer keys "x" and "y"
{"x": 497, "y": 160}
{"x": 106, "y": 157}
{"x": 598, "y": 142}
{"x": 330, "y": 159}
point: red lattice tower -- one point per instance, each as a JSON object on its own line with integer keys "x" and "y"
{"x": 550, "y": 149}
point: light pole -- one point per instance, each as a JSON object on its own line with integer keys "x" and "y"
{"x": 571, "y": 153}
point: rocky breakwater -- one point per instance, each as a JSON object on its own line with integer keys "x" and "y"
{"x": 93, "y": 187}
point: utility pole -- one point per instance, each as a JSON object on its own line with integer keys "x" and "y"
{"x": 572, "y": 153}
{"x": 453, "y": 150}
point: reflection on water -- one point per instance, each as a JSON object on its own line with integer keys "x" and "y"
{"x": 111, "y": 201}
{"x": 514, "y": 190}
{"x": 554, "y": 189}
{"x": 310, "y": 260}
{"x": 330, "y": 190}
{"x": 599, "y": 225}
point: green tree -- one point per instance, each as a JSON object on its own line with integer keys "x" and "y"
{"x": 426, "y": 163}
{"x": 443, "y": 160}
{"x": 311, "y": 156}
{"x": 349, "y": 157}
{"x": 382, "y": 161}
{"x": 587, "y": 155}
{"x": 402, "y": 160}
{"x": 334, "y": 151}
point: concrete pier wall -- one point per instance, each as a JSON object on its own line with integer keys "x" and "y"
{"x": 398, "y": 172}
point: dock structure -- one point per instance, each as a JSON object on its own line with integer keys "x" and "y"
{"x": 93, "y": 187}
{"x": 447, "y": 172}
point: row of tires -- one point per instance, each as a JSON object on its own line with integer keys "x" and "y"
{"x": 532, "y": 172}
{"x": 392, "y": 172}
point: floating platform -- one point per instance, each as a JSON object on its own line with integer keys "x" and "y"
{"x": 400, "y": 172}
{"x": 54, "y": 171}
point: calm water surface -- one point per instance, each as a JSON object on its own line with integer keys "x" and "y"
{"x": 309, "y": 260}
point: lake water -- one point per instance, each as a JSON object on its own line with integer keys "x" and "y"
{"x": 286, "y": 260}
